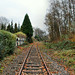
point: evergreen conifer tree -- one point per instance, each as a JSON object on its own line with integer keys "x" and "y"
{"x": 15, "y": 30}
{"x": 8, "y": 27}
{"x": 3, "y": 27}
{"x": 27, "y": 28}
{"x": 11, "y": 27}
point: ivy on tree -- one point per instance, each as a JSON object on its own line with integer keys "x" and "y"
{"x": 27, "y": 28}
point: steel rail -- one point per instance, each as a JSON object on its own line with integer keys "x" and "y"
{"x": 20, "y": 72}
{"x": 43, "y": 61}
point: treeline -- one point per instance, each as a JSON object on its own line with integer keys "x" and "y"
{"x": 13, "y": 28}
{"x": 60, "y": 18}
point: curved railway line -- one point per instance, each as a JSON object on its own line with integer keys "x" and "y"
{"x": 34, "y": 63}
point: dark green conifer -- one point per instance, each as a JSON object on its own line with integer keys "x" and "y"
{"x": 27, "y": 28}
{"x": 8, "y": 27}
{"x": 15, "y": 29}
{"x": 11, "y": 27}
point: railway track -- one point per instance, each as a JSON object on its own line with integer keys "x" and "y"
{"x": 34, "y": 63}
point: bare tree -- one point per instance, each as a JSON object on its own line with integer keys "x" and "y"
{"x": 3, "y": 21}
{"x": 40, "y": 34}
{"x": 60, "y": 17}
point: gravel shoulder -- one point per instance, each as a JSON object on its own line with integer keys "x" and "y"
{"x": 54, "y": 67}
{"x": 59, "y": 62}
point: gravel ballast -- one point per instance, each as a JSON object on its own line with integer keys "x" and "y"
{"x": 15, "y": 65}
{"x": 54, "y": 67}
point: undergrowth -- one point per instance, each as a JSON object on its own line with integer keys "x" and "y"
{"x": 61, "y": 45}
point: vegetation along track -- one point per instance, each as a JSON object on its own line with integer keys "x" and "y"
{"x": 33, "y": 63}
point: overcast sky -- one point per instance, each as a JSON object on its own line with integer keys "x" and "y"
{"x": 16, "y": 9}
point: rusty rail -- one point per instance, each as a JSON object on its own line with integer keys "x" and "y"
{"x": 24, "y": 62}
{"x": 44, "y": 64}
{"x": 43, "y": 61}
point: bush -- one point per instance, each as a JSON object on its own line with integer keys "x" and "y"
{"x": 7, "y": 43}
{"x": 20, "y": 35}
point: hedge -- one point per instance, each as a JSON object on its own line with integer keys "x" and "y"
{"x": 7, "y": 43}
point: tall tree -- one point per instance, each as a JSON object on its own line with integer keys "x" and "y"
{"x": 3, "y": 27}
{"x": 39, "y": 34}
{"x": 60, "y": 18}
{"x": 8, "y": 27}
{"x": 11, "y": 27}
{"x": 27, "y": 28}
{"x": 15, "y": 29}
{"x": 3, "y": 21}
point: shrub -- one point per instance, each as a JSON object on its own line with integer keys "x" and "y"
{"x": 20, "y": 35}
{"x": 7, "y": 43}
